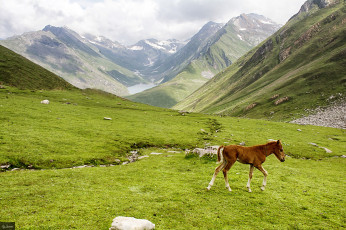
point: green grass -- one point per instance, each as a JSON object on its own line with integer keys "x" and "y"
{"x": 18, "y": 71}
{"x": 169, "y": 190}
{"x": 71, "y": 130}
{"x": 305, "y": 192}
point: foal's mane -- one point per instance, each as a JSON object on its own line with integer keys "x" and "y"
{"x": 266, "y": 148}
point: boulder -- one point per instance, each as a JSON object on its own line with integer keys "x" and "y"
{"x": 210, "y": 150}
{"x": 46, "y": 102}
{"x": 131, "y": 223}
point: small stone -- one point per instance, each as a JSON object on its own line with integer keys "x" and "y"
{"x": 5, "y": 166}
{"x": 142, "y": 157}
{"x": 327, "y": 150}
{"x": 242, "y": 143}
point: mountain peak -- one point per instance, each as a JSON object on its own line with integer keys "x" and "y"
{"x": 55, "y": 29}
{"x": 250, "y": 21}
{"x": 253, "y": 28}
{"x": 310, "y": 5}
{"x": 320, "y": 3}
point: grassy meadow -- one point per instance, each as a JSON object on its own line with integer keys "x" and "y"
{"x": 305, "y": 192}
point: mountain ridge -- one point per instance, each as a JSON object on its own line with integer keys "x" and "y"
{"x": 229, "y": 42}
{"x": 285, "y": 74}
{"x": 89, "y": 61}
{"x": 68, "y": 57}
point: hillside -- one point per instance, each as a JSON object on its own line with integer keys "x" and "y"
{"x": 15, "y": 70}
{"x": 67, "y": 54}
{"x": 300, "y": 67}
{"x": 204, "y": 56}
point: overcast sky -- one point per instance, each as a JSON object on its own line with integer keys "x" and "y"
{"x": 128, "y": 21}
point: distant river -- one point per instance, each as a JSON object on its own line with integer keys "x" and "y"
{"x": 140, "y": 87}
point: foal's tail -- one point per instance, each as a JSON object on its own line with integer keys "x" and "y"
{"x": 220, "y": 156}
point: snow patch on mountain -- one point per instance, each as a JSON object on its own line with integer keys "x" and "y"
{"x": 155, "y": 45}
{"x": 136, "y": 48}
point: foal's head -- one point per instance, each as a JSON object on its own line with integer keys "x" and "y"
{"x": 278, "y": 151}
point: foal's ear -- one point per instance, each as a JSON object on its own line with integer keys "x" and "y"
{"x": 278, "y": 142}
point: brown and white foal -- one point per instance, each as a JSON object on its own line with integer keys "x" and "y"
{"x": 253, "y": 155}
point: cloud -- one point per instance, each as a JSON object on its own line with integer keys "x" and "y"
{"x": 128, "y": 21}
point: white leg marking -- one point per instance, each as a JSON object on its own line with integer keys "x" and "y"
{"x": 248, "y": 185}
{"x": 223, "y": 165}
{"x": 250, "y": 176}
{"x": 212, "y": 181}
{"x": 265, "y": 173}
{"x": 227, "y": 184}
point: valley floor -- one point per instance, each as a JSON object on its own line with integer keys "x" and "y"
{"x": 169, "y": 190}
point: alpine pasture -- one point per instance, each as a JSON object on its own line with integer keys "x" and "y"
{"x": 45, "y": 141}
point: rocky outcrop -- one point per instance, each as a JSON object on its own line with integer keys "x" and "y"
{"x": 251, "y": 106}
{"x": 281, "y": 100}
{"x": 260, "y": 54}
{"x": 310, "y": 4}
{"x": 333, "y": 116}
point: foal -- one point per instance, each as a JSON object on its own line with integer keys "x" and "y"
{"x": 254, "y": 156}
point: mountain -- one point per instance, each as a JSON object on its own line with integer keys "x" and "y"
{"x": 298, "y": 68}
{"x": 89, "y": 61}
{"x": 155, "y": 51}
{"x": 17, "y": 71}
{"x": 211, "y": 50}
{"x": 175, "y": 63}
{"x": 139, "y": 58}
{"x": 65, "y": 53}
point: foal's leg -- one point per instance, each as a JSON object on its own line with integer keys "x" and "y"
{"x": 265, "y": 173}
{"x": 225, "y": 170}
{"x": 217, "y": 170}
{"x": 250, "y": 177}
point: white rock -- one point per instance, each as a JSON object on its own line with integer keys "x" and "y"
{"x": 156, "y": 153}
{"x": 207, "y": 150}
{"x": 142, "y": 157}
{"x": 107, "y": 118}
{"x": 45, "y": 102}
{"x": 131, "y": 223}
{"x": 327, "y": 150}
